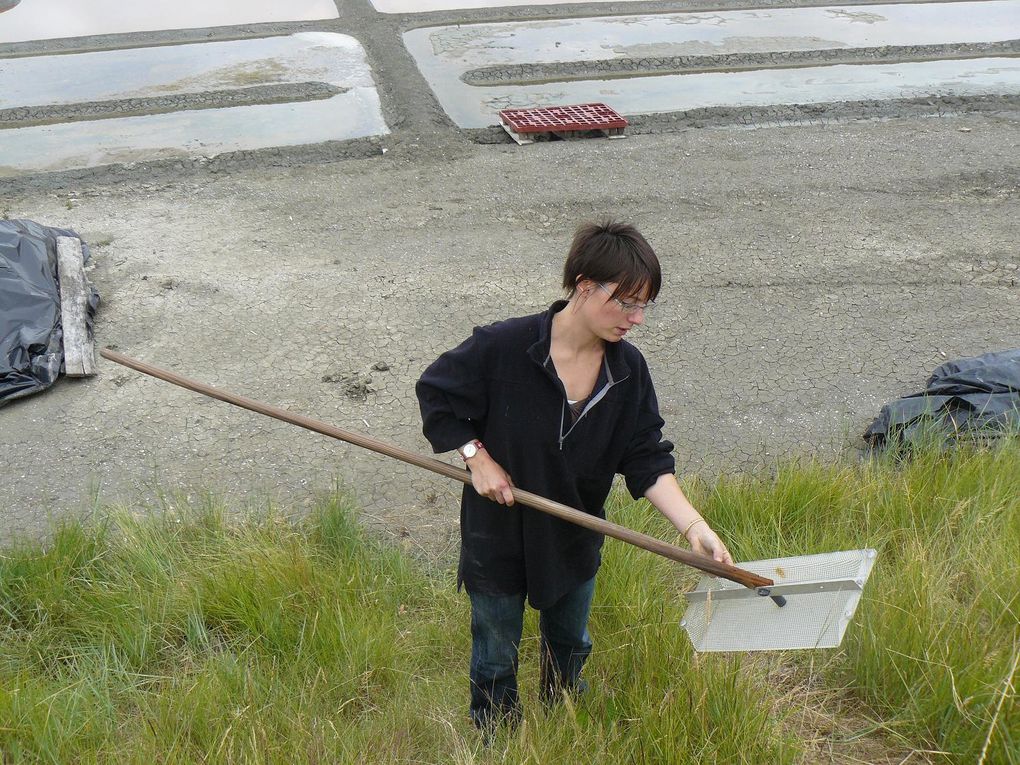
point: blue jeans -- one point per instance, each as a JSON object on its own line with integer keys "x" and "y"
{"x": 496, "y": 625}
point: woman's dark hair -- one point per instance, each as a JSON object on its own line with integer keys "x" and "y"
{"x": 610, "y": 251}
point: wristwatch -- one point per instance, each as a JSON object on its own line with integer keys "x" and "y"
{"x": 470, "y": 449}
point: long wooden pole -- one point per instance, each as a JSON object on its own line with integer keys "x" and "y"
{"x": 700, "y": 562}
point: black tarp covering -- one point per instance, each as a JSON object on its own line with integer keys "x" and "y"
{"x": 977, "y": 396}
{"x": 31, "y": 350}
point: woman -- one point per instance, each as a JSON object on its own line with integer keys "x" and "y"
{"x": 556, "y": 403}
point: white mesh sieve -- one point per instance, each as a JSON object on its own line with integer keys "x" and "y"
{"x": 756, "y": 623}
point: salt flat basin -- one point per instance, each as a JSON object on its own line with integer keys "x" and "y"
{"x": 446, "y": 53}
{"x": 673, "y": 93}
{"x": 336, "y": 59}
{"x": 424, "y": 6}
{"x": 49, "y": 19}
{"x": 467, "y": 46}
{"x": 172, "y": 69}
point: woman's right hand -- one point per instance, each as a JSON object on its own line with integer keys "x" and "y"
{"x": 489, "y": 479}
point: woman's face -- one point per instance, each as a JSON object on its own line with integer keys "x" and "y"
{"x": 611, "y": 318}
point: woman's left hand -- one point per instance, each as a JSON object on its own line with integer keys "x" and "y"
{"x": 706, "y": 542}
{"x": 669, "y": 499}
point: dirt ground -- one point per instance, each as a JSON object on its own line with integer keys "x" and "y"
{"x": 816, "y": 265}
{"x": 811, "y": 273}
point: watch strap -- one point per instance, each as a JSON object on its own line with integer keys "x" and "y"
{"x": 470, "y": 449}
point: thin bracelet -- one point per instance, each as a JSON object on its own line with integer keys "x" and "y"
{"x": 691, "y": 524}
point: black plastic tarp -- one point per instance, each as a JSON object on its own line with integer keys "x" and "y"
{"x": 31, "y": 351}
{"x": 976, "y": 396}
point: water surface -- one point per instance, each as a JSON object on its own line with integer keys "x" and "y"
{"x": 423, "y": 6}
{"x": 312, "y": 56}
{"x": 466, "y": 46}
{"x": 48, "y": 19}
{"x": 444, "y": 54}
{"x": 168, "y": 69}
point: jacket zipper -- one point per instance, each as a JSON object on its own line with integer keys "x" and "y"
{"x": 610, "y": 382}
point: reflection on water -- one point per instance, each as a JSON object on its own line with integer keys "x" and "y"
{"x": 444, "y": 54}
{"x": 206, "y": 133}
{"x": 312, "y": 56}
{"x": 194, "y": 68}
{"x": 719, "y": 32}
{"x": 48, "y": 19}
{"x": 823, "y": 84}
{"x": 423, "y": 6}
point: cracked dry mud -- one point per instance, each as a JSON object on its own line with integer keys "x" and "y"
{"x": 811, "y": 274}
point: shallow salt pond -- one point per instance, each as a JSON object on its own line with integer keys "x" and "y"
{"x": 48, "y": 19}
{"x": 446, "y": 53}
{"x": 181, "y": 69}
{"x": 465, "y": 46}
{"x": 193, "y": 68}
{"x": 424, "y": 6}
{"x": 806, "y": 85}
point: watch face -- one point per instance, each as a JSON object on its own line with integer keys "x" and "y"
{"x": 469, "y": 451}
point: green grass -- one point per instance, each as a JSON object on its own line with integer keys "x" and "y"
{"x": 201, "y": 637}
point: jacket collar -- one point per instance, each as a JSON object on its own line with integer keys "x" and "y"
{"x": 616, "y": 364}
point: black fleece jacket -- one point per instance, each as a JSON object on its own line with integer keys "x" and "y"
{"x": 500, "y": 386}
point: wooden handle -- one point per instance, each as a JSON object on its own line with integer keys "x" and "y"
{"x": 651, "y": 544}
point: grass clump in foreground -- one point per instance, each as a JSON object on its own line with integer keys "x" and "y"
{"x": 193, "y": 638}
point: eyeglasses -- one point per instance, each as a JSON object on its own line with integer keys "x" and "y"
{"x": 627, "y": 308}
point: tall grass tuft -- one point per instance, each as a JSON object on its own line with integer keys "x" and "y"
{"x": 191, "y": 637}
{"x": 197, "y": 636}
{"x": 933, "y": 647}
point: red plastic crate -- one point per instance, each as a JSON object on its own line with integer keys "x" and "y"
{"x": 545, "y": 119}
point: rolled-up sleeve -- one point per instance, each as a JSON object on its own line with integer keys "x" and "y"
{"x": 453, "y": 394}
{"x": 648, "y": 454}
